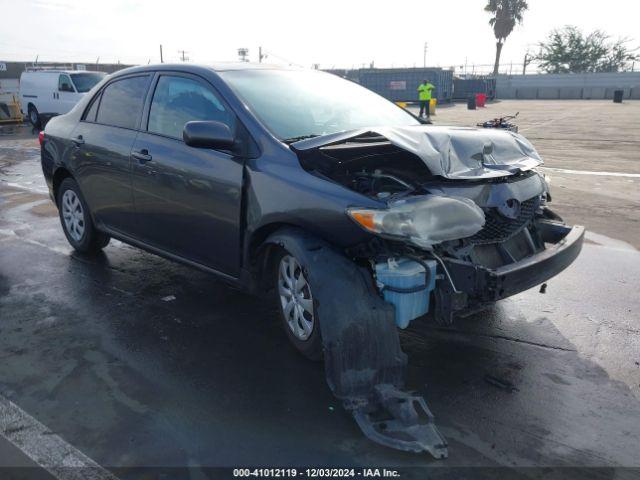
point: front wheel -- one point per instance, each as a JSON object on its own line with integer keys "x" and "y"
{"x": 297, "y": 310}
{"x": 76, "y": 220}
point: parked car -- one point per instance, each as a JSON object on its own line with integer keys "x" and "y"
{"x": 358, "y": 218}
{"x": 46, "y": 93}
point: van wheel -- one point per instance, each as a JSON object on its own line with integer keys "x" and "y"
{"x": 34, "y": 116}
{"x": 296, "y": 307}
{"x": 76, "y": 219}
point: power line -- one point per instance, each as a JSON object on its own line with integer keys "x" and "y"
{"x": 270, "y": 53}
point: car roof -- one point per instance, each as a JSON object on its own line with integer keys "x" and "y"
{"x": 214, "y": 67}
{"x": 55, "y": 70}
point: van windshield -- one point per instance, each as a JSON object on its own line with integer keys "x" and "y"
{"x": 295, "y": 104}
{"x": 86, "y": 81}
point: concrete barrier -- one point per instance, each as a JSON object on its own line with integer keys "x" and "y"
{"x": 568, "y": 86}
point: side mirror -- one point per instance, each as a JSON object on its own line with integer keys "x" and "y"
{"x": 208, "y": 134}
{"x": 65, "y": 87}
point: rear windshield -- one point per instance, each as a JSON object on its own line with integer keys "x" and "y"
{"x": 86, "y": 81}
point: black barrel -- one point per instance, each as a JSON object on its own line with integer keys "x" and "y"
{"x": 617, "y": 96}
{"x": 471, "y": 102}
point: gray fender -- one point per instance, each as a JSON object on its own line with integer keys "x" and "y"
{"x": 364, "y": 364}
{"x": 359, "y": 335}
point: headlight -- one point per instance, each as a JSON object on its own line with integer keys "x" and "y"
{"x": 423, "y": 221}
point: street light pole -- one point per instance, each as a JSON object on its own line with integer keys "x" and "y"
{"x": 424, "y": 57}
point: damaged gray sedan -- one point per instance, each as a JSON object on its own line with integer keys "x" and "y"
{"x": 356, "y": 217}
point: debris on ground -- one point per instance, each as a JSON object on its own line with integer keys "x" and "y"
{"x": 500, "y": 383}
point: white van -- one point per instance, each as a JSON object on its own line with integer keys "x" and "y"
{"x": 46, "y": 93}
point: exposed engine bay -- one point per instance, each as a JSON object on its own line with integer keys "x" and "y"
{"x": 487, "y": 205}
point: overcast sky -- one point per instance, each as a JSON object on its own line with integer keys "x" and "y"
{"x": 331, "y": 33}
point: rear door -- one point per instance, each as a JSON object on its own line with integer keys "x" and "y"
{"x": 103, "y": 141}
{"x": 187, "y": 199}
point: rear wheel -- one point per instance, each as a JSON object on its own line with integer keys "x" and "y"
{"x": 297, "y": 310}
{"x": 76, "y": 220}
{"x": 34, "y": 116}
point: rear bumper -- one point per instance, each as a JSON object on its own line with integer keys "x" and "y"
{"x": 487, "y": 285}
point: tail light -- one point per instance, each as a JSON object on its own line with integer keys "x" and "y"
{"x": 41, "y": 137}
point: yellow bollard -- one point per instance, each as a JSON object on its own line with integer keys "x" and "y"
{"x": 432, "y": 106}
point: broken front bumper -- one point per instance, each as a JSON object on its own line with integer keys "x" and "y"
{"x": 563, "y": 244}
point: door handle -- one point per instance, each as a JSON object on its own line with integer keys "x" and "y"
{"x": 78, "y": 140}
{"x": 142, "y": 155}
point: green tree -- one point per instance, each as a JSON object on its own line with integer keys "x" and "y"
{"x": 505, "y": 15}
{"x": 568, "y": 50}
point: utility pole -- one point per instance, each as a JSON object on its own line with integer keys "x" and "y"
{"x": 261, "y": 56}
{"x": 183, "y": 55}
{"x": 424, "y": 56}
{"x": 527, "y": 60}
{"x": 161, "y": 60}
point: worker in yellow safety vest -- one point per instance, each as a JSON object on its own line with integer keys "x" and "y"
{"x": 424, "y": 95}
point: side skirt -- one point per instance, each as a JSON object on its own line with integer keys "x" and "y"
{"x": 232, "y": 281}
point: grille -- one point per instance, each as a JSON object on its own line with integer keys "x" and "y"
{"x": 498, "y": 228}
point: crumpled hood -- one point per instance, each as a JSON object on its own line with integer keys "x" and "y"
{"x": 451, "y": 152}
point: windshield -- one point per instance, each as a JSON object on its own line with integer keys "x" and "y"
{"x": 86, "y": 81}
{"x": 298, "y": 103}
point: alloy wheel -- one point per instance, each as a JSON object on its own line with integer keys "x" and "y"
{"x": 295, "y": 298}
{"x": 73, "y": 215}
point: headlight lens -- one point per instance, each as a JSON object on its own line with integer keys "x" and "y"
{"x": 423, "y": 221}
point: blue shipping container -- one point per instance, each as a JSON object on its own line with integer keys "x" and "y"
{"x": 401, "y": 84}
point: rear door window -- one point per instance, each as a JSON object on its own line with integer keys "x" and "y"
{"x": 122, "y": 101}
{"x": 178, "y": 100}
{"x": 90, "y": 116}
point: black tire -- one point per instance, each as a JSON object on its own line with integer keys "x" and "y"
{"x": 91, "y": 240}
{"x": 34, "y": 116}
{"x": 310, "y": 347}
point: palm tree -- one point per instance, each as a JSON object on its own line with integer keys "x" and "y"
{"x": 506, "y": 13}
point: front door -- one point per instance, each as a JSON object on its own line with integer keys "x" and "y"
{"x": 187, "y": 199}
{"x": 66, "y": 96}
